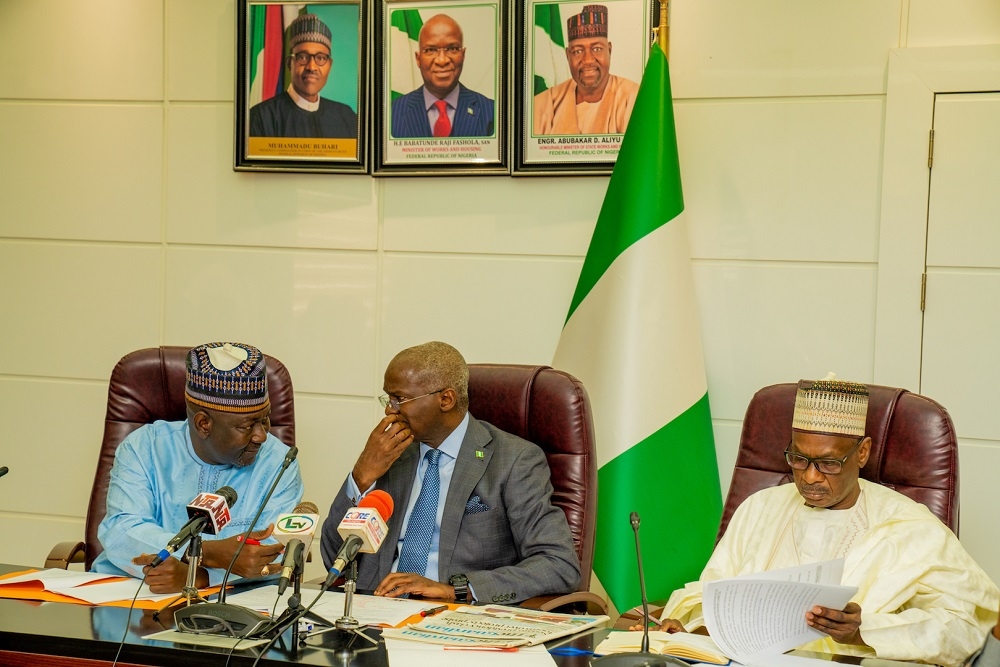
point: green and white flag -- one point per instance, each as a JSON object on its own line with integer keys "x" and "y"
{"x": 632, "y": 338}
{"x": 549, "y": 55}
{"x": 404, "y": 40}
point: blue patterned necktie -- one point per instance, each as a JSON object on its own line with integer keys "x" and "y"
{"x": 420, "y": 529}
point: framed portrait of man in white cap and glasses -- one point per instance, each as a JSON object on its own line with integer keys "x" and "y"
{"x": 301, "y": 86}
{"x": 578, "y": 81}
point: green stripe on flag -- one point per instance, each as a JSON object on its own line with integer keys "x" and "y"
{"x": 645, "y": 189}
{"x": 258, "y": 18}
{"x": 547, "y": 18}
{"x": 407, "y": 21}
{"x": 654, "y": 478}
{"x": 403, "y": 43}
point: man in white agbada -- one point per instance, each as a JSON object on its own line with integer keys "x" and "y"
{"x": 920, "y": 596}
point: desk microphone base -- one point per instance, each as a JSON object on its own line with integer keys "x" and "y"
{"x": 215, "y": 618}
{"x": 639, "y": 659}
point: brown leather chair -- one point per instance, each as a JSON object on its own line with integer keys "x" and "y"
{"x": 914, "y": 451}
{"x": 914, "y": 448}
{"x": 146, "y": 386}
{"x": 549, "y": 408}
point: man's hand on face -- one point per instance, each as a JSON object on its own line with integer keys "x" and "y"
{"x": 170, "y": 576}
{"x": 386, "y": 443}
{"x": 843, "y": 625}
{"x": 398, "y": 583}
{"x": 252, "y": 560}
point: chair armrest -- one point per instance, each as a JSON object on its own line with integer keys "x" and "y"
{"x": 594, "y": 604}
{"x": 65, "y": 553}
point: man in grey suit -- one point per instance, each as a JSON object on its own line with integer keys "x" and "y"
{"x": 474, "y": 519}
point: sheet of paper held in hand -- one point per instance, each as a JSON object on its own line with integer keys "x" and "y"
{"x": 756, "y": 616}
{"x": 494, "y": 626}
{"x": 367, "y": 609}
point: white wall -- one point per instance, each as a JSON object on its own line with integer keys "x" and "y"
{"x": 123, "y": 226}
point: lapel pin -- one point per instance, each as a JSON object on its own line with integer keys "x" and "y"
{"x": 469, "y": 111}
{"x": 480, "y": 454}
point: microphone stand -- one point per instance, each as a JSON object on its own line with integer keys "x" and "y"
{"x": 347, "y": 622}
{"x": 643, "y": 658}
{"x": 190, "y": 591}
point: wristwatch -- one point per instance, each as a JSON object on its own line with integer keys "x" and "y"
{"x": 461, "y": 584}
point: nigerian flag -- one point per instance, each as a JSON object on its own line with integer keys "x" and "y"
{"x": 404, "y": 38}
{"x": 549, "y": 55}
{"x": 632, "y": 338}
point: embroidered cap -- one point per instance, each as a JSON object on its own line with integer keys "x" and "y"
{"x": 308, "y": 28}
{"x": 831, "y": 406}
{"x": 591, "y": 22}
{"x": 229, "y": 377}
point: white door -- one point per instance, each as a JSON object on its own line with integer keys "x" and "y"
{"x": 960, "y": 361}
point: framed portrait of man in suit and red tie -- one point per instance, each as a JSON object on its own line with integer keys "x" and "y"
{"x": 441, "y": 87}
{"x": 301, "y": 86}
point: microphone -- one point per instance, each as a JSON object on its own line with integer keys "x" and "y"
{"x": 290, "y": 563}
{"x": 293, "y": 452}
{"x": 299, "y": 524}
{"x": 643, "y": 658}
{"x": 363, "y": 529}
{"x": 207, "y": 513}
{"x": 242, "y": 622}
{"x": 4, "y": 470}
{"x": 295, "y": 531}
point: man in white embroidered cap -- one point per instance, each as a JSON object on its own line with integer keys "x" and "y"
{"x": 161, "y": 467}
{"x": 920, "y": 596}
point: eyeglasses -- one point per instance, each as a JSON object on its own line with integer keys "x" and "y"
{"x": 395, "y": 401}
{"x": 595, "y": 50}
{"x": 823, "y": 465}
{"x": 433, "y": 51}
{"x": 303, "y": 58}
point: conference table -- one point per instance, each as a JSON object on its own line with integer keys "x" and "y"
{"x": 55, "y": 634}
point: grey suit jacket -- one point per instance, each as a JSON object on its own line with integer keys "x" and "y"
{"x": 518, "y": 548}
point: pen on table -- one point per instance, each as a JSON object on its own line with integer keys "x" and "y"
{"x": 433, "y": 610}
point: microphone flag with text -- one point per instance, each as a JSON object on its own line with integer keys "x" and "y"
{"x": 363, "y": 529}
{"x": 207, "y": 513}
{"x": 295, "y": 531}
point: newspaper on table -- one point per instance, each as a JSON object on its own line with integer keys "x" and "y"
{"x": 494, "y": 626}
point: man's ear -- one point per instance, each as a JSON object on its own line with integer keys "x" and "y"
{"x": 449, "y": 399}
{"x": 864, "y": 449}
{"x": 202, "y": 422}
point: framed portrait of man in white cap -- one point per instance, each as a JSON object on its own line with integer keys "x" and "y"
{"x": 301, "y": 86}
{"x": 577, "y": 82}
{"x": 441, "y": 87}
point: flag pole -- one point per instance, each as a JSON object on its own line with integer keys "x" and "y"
{"x": 663, "y": 30}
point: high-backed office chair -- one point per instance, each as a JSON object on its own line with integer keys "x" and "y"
{"x": 549, "y": 408}
{"x": 914, "y": 448}
{"x": 148, "y": 385}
